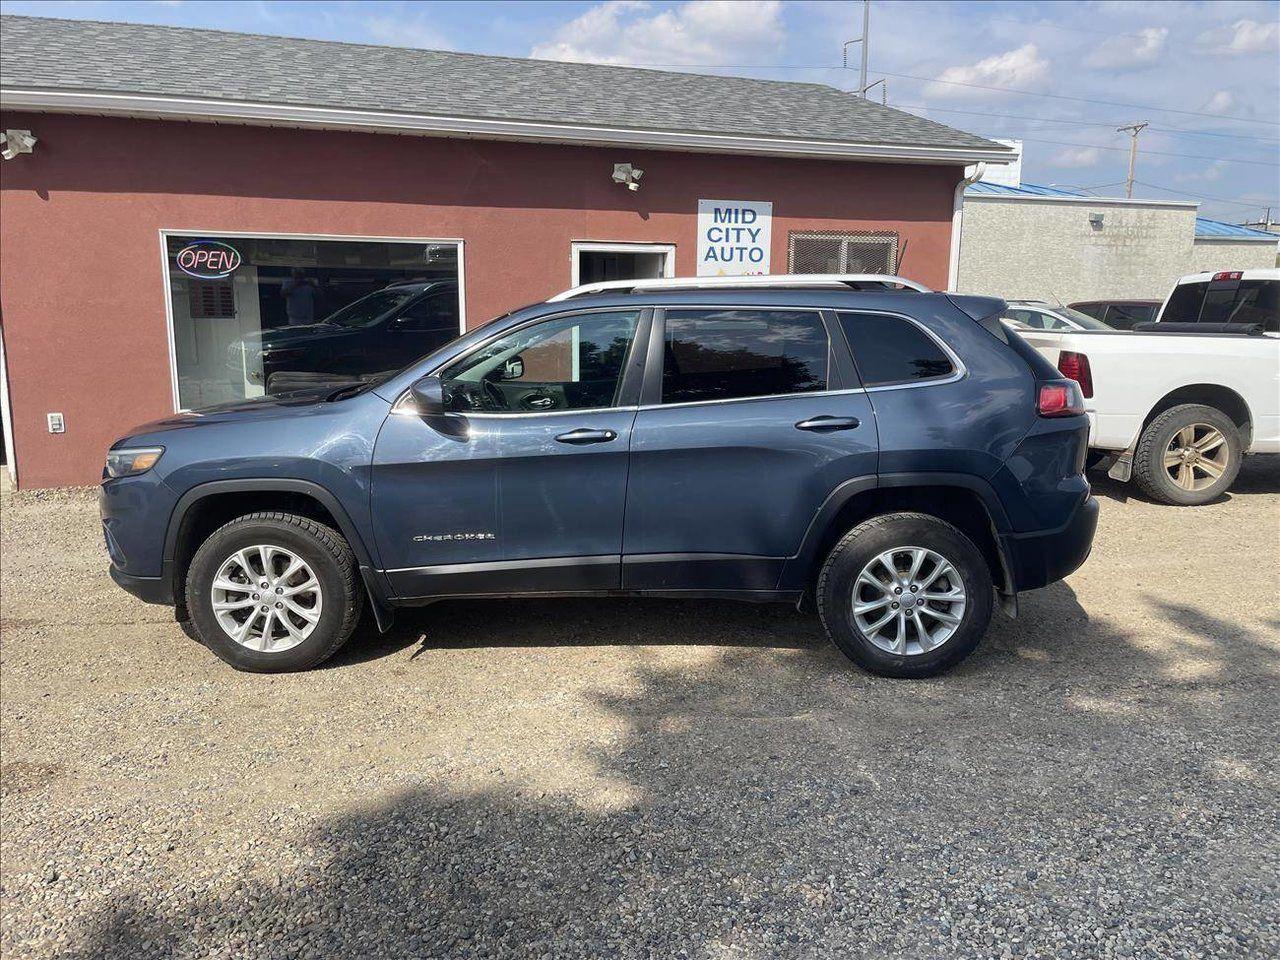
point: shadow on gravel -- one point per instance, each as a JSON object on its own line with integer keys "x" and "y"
{"x": 1057, "y": 796}
{"x": 1258, "y": 474}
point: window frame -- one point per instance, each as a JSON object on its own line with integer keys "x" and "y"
{"x": 578, "y": 247}
{"x": 842, "y": 375}
{"x": 632, "y": 366}
{"x": 959, "y": 372}
{"x": 166, "y": 283}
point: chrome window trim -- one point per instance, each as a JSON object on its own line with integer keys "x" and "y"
{"x": 960, "y": 372}
{"x": 768, "y": 396}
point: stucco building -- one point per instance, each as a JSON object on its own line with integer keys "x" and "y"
{"x": 1031, "y": 242}
{"x": 191, "y": 191}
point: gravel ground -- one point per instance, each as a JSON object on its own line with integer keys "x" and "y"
{"x": 655, "y": 779}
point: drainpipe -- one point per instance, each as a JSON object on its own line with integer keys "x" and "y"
{"x": 971, "y": 175}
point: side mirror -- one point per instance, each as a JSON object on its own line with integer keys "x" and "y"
{"x": 513, "y": 369}
{"x": 428, "y": 396}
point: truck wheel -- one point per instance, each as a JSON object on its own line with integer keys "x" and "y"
{"x": 1188, "y": 455}
{"x": 273, "y": 592}
{"x": 905, "y": 595}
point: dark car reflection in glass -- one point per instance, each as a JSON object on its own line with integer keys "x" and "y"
{"x": 365, "y": 340}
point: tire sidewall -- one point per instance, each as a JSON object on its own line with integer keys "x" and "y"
{"x": 1158, "y": 476}
{"x": 221, "y": 545}
{"x": 869, "y": 541}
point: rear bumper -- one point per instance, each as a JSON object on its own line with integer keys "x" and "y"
{"x": 1044, "y": 556}
{"x": 146, "y": 589}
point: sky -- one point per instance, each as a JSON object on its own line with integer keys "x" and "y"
{"x": 1205, "y": 76}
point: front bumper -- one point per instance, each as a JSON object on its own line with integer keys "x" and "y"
{"x": 1045, "y": 556}
{"x": 147, "y": 589}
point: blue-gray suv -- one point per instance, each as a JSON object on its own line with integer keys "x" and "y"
{"x": 895, "y": 459}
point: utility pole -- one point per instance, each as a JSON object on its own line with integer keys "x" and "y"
{"x": 1133, "y": 130}
{"x": 866, "y": 29}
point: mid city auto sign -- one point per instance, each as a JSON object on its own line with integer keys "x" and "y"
{"x": 733, "y": 237}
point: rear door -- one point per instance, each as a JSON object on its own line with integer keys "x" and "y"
{"x": 750, "y": 417}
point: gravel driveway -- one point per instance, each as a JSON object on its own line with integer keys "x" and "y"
{"x": 655, "y": 779}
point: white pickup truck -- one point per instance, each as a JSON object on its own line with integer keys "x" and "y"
{"x": 1173, "y": 408}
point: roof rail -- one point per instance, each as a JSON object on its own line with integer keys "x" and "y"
{"x": 856, "y": 281}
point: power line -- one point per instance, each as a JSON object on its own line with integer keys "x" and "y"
{"x": 958, "y": 83}
{"x": 1170, "y": 131}
{"x": 1059, "y": 96}
{"x": 1152, "y": 153}
{"x": 1200, "y": 196}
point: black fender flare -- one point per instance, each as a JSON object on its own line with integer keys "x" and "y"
{"x": 846, "y": 491}
{"x": 374, "y": 584}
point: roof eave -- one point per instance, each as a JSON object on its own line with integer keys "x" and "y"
{"x": 330, "y": 118}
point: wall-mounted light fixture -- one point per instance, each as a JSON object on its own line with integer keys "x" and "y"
{"x": 16, "y": 142}
{"x": 1095, "y": 221}
{"x": 625, "y": 173}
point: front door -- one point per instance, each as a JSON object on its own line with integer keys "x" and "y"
{"x": 751, "y": 423}
{"x": 527, "y": 493}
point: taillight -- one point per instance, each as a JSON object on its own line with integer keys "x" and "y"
{"x": 1075, "y": 366}
{"x": 1060, "y": 399}
{"x": 1228, "y": 275}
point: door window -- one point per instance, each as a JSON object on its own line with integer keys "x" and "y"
{"x": 732, "y": 354}
{"x": 569, "y": 363}
{"x": 890, "y": 350}
{"x": 1124, "y": 315}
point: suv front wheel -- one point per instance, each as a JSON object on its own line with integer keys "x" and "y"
{"x": 905, "y": 595}
{"x": 273, "y": 592}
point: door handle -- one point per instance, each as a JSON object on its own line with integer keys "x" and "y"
{"x": 823, "y": 424}
{"x": 543, "y": 401}
{"x": 586, "y": 435}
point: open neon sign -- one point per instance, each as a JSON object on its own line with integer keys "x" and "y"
{"x": 208, "y": 259}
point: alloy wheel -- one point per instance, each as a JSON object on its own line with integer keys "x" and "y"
{"x": 266, "y": 598}
{"x": 1196, "y": 456}
{"x": 909, "y": 600}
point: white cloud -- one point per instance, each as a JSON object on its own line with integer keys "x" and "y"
{"x": 1075, "y": 158}
{"x": 1130, "y": 49}
{"x": 1242, "y": 37}
{"x": 1020, "y": 68}
{"x": 1220, "y": 102}
{"x": 694, "y": 33}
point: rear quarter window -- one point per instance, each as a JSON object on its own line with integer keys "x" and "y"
{"x": 891, "y": 350}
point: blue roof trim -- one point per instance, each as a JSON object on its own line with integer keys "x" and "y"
{"x": 1216, "y": 228}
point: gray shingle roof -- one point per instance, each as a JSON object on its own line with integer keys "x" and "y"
{"x": 77, "y": 55}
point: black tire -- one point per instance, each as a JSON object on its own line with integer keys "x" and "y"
{"x": 861, "y": 545}
{"x": 1149, "y": 471}
{"x": 321, "y": 547}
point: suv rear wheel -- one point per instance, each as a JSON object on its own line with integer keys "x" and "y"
{"x": 905, "y": 595}
{"x": 271, "y": 592}
{"x": 1188, "y": 455}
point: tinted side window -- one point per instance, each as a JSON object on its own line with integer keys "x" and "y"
{"x": 1094, "y": 310}
{"x": 891, "y": 350}
{"x": 1124, "y": 315}
{"x": 435, "y": 312}
{"x": 1184, "y": 303}
{"x": 729, "y": 354}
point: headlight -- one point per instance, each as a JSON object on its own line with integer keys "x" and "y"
{"x": 130, "y": 461}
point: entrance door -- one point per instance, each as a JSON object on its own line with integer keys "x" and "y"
{"x": 752, "y": 421}
{"x": 597, "y": 262}
{"x": 530, "y": 495}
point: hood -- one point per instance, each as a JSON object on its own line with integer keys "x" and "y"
{"x": 259, "y": 408}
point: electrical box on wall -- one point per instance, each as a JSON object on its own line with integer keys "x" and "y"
{"x": 56, "y": 423}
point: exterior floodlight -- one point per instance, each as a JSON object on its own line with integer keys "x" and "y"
{"x": 625, "y": 173}
{"x": 16, "y": 142}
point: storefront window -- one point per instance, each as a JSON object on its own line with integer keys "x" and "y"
{"x": 256, "y": 316}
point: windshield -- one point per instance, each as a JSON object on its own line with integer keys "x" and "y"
{"x": 368, "y": 309}
{"x": 1083, "y": 319}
